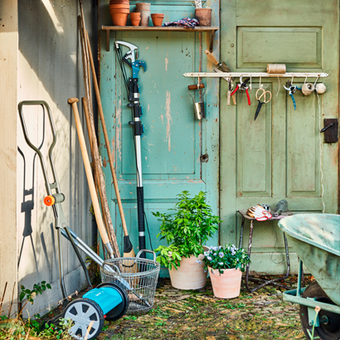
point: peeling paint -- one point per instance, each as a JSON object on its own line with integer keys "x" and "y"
{"x": 166, "y": 63}
{"x": 162, "y": 119}
{"x": 168, "y": 118}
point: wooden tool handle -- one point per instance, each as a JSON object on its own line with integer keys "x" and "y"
{"x": 196, "y": 86}
{"x": 211, "y": 57}
{"x": 88, "y": 171}
{"x": 107, "y": 142}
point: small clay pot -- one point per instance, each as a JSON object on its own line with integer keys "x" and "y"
{"x": 203, "y": 15}
{"x": 120, "y": 10}
{"x": 115, "y": 2}
{"x": 157, "y": 19}
{"x": 119, "y": 19}
{"x": 135, "y": 18}
{"x": 142, "y": 6}
{"x": 117, "y": 6}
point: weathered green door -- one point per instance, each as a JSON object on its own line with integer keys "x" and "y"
{"x": 174, "y": 141}
{"x": 282, "y": 154}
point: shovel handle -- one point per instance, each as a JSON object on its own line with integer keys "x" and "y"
{"x": 196, "y": 86}
{"x": 211, "y": 57}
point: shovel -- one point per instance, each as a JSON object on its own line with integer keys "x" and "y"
{"x": 222, "y": 67}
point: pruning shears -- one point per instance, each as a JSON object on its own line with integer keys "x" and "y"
{"x": 242, "y": 86}
{"x": 291, "y": 90}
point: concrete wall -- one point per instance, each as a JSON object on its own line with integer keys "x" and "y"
{"x": 50, "y": 69}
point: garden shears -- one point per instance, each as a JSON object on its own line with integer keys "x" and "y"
{"x": 262, "y": 93}
{"x": 242, "y": 86}
{"x": 291, "y": 90}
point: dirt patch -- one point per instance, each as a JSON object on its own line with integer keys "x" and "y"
{"x": 199, "y": 315}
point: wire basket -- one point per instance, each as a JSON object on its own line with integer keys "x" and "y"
{"x": 138, "y": 276}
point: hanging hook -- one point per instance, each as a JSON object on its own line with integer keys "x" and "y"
{"x": 292, "y": 81}
{"x": 306, "y": 79}
{"x": 260, "y": 84}
{"x": 317, "y": 78}
{"x": 251, "y": 83}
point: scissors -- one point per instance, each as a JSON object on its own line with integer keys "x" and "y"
{"x": 266, "y": 97}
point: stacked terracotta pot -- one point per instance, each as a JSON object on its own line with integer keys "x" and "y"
{"x": 119, "y": 11}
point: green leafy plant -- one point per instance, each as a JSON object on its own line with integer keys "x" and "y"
{"x": 186, "y": 228}
{"x": 225, "y": 258}
{"x": 29, "y": 294}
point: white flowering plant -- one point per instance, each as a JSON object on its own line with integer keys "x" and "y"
{"x": 225, "y": 258}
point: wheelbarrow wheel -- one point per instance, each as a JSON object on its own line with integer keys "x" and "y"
{"x": 329, "y": 322}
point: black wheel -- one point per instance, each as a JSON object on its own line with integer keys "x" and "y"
{"x": 117, "y": 312}
{"x": 82, "y": 312}
{"x": 329, "y": 322}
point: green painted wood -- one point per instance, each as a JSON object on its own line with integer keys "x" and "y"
{"x": 281, "y": 154}
{"x": 173, "y": 138}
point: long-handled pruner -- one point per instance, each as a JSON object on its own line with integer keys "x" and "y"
{"x": 291, "y": 90}
{"x": 262, "y": 93}
{"x": 242, "y": 86}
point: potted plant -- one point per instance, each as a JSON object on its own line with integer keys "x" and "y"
{"x": 186, "y": 229}
{"x": 225, "y": 266}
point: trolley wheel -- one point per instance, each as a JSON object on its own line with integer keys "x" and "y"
{"x": 117, "y": 312}
{"x": 329, "y": 322}
{"x": 82, "y": 312}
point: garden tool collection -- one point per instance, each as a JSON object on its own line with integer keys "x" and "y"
{"x": 266, "y": 97}
{"x": 133, "y": 97}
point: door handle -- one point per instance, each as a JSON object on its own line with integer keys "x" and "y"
{"x": 330, "y": 130}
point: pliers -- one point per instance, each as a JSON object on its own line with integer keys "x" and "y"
{"x": 291, "y": 90}
{"x": 243, "y": 86}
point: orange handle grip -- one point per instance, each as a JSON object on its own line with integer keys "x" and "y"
{"x": 49, "y": 200}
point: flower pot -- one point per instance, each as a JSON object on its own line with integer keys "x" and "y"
{"x": 119, "y": 19}
{"x": 120, "y": 6}
{"x": 142, "y": 6}
{"x": 157, "y": 19}
{"x": 226, "y": 285}
{"x": 114, "y": 2}
{"x": 120, "y": 10}
{"x": 135, "y": 18}
{"x": 203, "y": 15}
{"x": 189, "y": 275}
{"x": 145, "y": 17}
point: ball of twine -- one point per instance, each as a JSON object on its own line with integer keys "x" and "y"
{"x": 320, "y": 88}
{"x": 307, "y": 89}
{"x": 276, "y": 68}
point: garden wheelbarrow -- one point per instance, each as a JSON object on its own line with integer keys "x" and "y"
{"x": 316, "y": 240}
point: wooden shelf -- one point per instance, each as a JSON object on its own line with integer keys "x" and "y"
{"x": 199, "y": 29}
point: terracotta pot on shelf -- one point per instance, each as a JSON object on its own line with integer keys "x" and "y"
{"x": 135, "y": 18}
{"x": 120, "y": 10}
{"x": 226, "y": 285}
{"x": 118, "y": 6}
{"x": 119, "y": 18}
{"x": 157, "y": 19}
{"x": 203, "y": 15}
{"x": 144, "y": 9}
{"x": 117, "y": 2}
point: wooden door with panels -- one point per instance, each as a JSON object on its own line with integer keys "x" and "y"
{"x": 282, "y": 154}
{"x": 179, "y": 152}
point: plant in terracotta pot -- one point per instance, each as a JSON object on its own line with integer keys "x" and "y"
{"x": 225, "y": 266}
{"x": 186, "y": 229}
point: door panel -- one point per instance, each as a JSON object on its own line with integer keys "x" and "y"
{"x": 173, "y": 139}
{"x": 282, "y": 154}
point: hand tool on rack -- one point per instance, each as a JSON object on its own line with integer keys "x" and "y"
{"x": 291, "y": 90}
{"x": 133, "y": 97}
{"x": 262, "y": 93}
{"x": 242, "y": 86}
{"x": 222, "y": 67}
{"x": 54, "y": 196}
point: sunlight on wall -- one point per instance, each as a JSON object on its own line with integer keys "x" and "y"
{"x": 53, "y": 16}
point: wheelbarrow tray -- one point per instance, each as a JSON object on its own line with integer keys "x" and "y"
{"x": 316, "y": 240}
